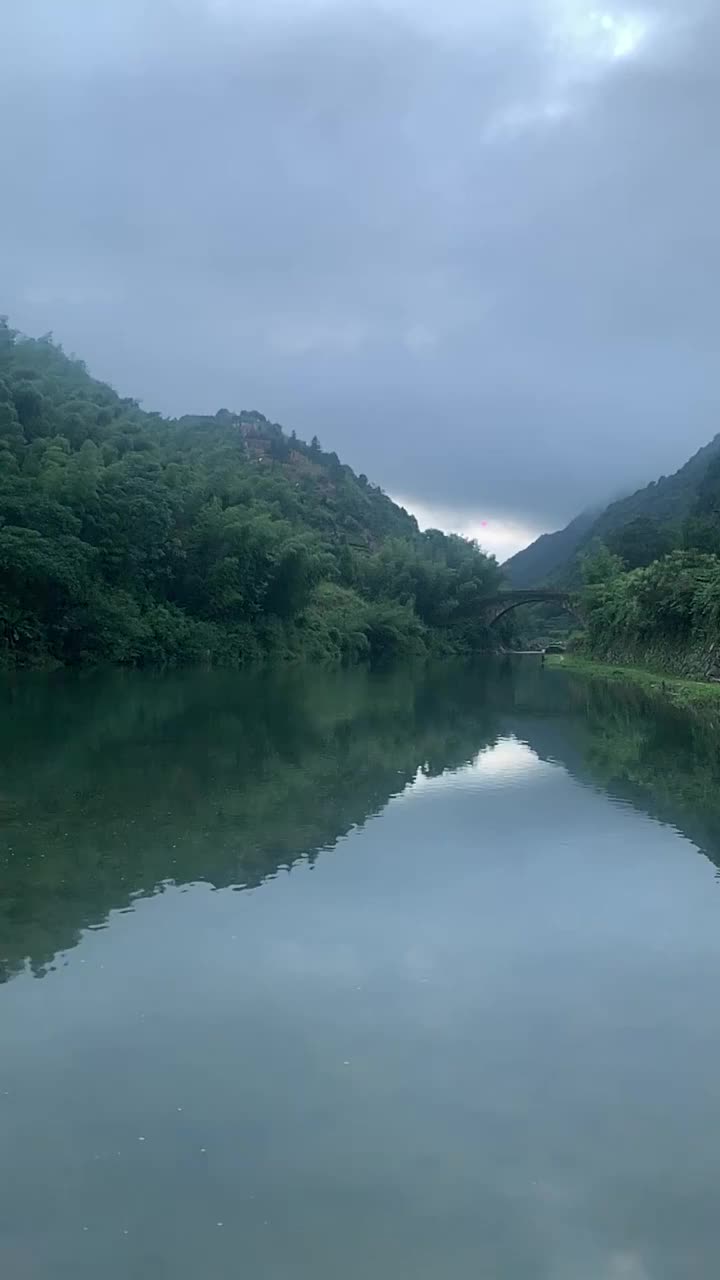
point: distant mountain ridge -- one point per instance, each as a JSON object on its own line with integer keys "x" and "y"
{"x": 669, "y": 500}
{"x": 534, "y": 564}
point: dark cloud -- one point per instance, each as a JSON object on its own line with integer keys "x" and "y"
{"x": 476, "y": 254}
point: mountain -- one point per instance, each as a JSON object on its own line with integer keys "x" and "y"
{"x": 666, "y": 502}
{"x": 548, "y": 553}
{"x": 133, "y": 539}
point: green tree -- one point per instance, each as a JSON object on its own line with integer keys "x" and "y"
{"x": 130, "y": 538}
{"x": 641, "y": 541}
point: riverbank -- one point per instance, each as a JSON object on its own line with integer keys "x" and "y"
{"x": 689, "y": 694}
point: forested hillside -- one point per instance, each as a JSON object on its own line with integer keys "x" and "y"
{"x": 665, "y": 503}
{"x": 652, "y": 590}
{"x": 647, "y": 571}
{"x": 133, "y": 539}
{"x": 548, "y": 553}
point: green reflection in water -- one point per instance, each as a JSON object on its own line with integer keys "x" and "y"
{"x": 480, "y": 1039}
{"x": 113, "y": 785}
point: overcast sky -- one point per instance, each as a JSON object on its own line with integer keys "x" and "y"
{"x": 473, "y": 244}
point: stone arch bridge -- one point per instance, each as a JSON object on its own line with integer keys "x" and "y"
{"x": 503, "y": 602}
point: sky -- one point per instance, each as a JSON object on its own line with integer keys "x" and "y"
{"x": 473, "y": 245}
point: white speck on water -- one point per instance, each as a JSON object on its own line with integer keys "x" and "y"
{"x": 346, "y": 1064}
{"x": 86, "y": 1228}
{"x": 125, "y": 1231}
{"x": 179, "y": 1108}
{"x": 203, "y": 1150}
{"x": 140, "y": 1140}
{"x": 219, "y": 1224}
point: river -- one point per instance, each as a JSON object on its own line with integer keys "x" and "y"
{"x": 404, "y": 976}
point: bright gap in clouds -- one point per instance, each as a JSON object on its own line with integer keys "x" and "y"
{"x": 496, "y": 534}
{"x": 625, "y": 35}
{"x": 590, "y": 33}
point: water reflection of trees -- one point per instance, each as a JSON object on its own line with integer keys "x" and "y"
{"x": 631, "y": 743}
{"x": 113, "y": 785}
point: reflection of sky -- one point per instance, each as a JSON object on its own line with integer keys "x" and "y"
{"x": 479, "y": 1037}
{"x": 508, "y": 762}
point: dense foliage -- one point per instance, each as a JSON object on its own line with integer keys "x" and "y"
{"x": 641, "y": 541}
{"x": 128, "y": 538}
{"x": 665, "y": 614}
{"x": 701, "y": 529}
{"x": 652, "y": 591}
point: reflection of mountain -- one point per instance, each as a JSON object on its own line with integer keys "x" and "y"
{"x": 112, "y": 785}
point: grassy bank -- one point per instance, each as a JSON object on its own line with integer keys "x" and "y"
{"x": 691, "y": 694}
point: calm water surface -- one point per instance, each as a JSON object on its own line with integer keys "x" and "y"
{"x": 409, "y": 976}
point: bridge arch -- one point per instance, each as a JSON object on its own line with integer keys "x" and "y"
{"x": 505, "y": 602}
